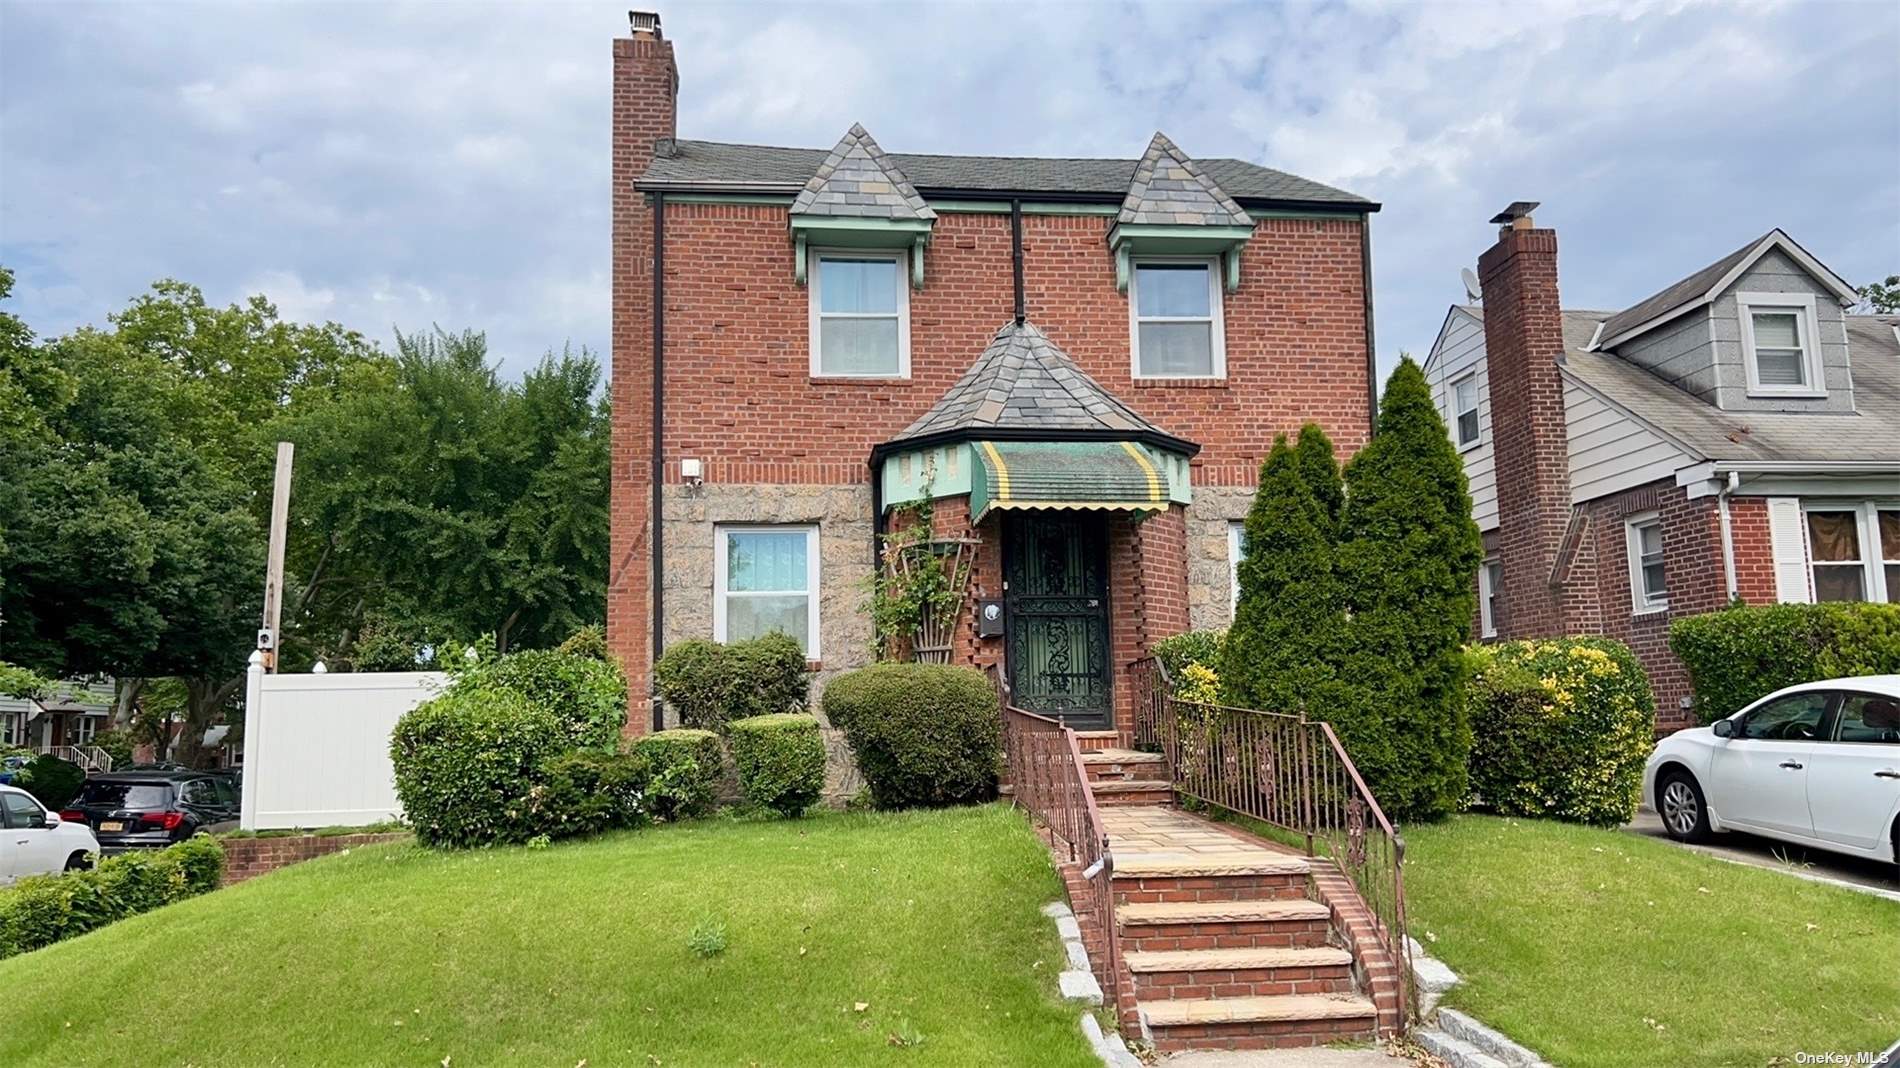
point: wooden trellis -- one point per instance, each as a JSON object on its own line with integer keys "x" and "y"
{"x": 937, "y": 628}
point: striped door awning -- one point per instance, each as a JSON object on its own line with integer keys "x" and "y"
{"x": 1107, "y": 475}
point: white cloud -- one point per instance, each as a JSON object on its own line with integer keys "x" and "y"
{"x": 409, "y": 164}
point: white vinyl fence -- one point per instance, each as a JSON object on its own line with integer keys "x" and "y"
{"x": 316, "y": 747}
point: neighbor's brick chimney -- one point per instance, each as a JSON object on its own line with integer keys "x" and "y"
{"x": 1523, "y": 339}
{"x": 645, "y": 111}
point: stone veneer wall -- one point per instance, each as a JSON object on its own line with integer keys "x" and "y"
{"x": 1210, "y": 579}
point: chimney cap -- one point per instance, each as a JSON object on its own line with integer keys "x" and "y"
{"x": 644, "y": 22}
{"x": 1519, "y": 209}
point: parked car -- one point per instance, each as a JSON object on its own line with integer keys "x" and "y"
{"x": 153, "y": 809}
{"x": 1816, "y": 764}
{"x": 34, "y": 841}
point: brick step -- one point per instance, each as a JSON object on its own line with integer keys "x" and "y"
{"x": 1124, "y": 765}
{"x": 1173, "y": 925}
{"x": 1258, "y": 1022}
{"x": 1148, "y": 889}
{"x": 1195, "y": 974}
{"x": 1132, "y": 793}
{"x": 1091, "y": 741}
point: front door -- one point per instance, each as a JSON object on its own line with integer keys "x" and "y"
{"x": 1055, "y": 569}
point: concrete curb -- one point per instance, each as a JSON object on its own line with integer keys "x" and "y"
{"x": 1077, "y": 983}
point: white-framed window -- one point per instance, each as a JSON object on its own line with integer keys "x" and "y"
{"x": 1779, "y": 347}
{"x": 12, "y": 728}
{"x": 1649, "y": 588}
{"x": 1236, "y": 552}
{"x": 1174, "y": 317}
{"x": 83, "y": 729}
{"x": 765, "y": 578}
{"x": 1490, "y": 580}
{"x": 860, "y": 314}
{"x": 1464, "y": 410}
{"x": 1853, "y": 549}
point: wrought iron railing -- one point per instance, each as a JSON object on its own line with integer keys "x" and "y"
{"x": 1290, "y": 772}
{"x": 1048, "y": 779}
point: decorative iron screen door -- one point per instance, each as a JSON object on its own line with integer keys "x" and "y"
{"x": 1056, "y": 566}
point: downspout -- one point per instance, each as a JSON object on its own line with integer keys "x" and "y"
{"x": 1372, "y": 351}
{"x": 1728, "y": 538}
{"x": 659, "y": 444}
{"x": 1016, "y": 256}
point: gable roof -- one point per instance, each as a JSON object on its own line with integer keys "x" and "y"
{"x": 857, "y": 179}
{"x": 1169, "y": 188}
{"x": 1708, "y": 283}
{"x": 1025, "y": 387}
{"x": 714, "y": 166}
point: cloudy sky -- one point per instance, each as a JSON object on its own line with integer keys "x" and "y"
{"x": 392, "y": 165}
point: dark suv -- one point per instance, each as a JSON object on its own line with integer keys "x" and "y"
{"x": 153, "y": 809}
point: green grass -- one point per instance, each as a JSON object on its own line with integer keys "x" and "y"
{"x": 1602, "y": 948}
{"x": 396, "y": 955}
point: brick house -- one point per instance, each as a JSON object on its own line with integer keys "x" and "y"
{"x": 1081, "y": 362}
{"x": 1735, "y": 435}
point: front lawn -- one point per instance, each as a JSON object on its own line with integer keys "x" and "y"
{"x": 393, "y": 954}
{"x": 1600, "y": 948}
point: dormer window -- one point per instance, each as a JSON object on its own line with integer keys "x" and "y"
{"x": 860, "y": 316}
{"x": 1176, "y": 305}
{"x": 1464, "y": 406}
{"x": 1778, "y": 345}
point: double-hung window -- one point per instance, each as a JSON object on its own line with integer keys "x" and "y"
{"x": 1490, "y": 580}
{"x": 765, "y": 579}
{"x": 860, "y": 315}
{"x": 1464, "y": 407}
{"x": 1649, "y": 590}
{"x": 1854, "y": 550}
{"x": 1778, "y": 344}
{"x": 1175, "y": 313}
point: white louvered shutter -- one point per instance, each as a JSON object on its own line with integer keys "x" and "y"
{"x": 1790, "y": 550}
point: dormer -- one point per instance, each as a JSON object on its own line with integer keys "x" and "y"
{"x": 859, "y": 199}
{"x": 1762, "y": 329}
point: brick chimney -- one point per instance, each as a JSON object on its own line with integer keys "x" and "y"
{"x": 645, "y": 112}
{"x": 1523, "y": 339}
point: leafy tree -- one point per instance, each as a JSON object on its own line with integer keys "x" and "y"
{"x": 1880, "y": 298}
{"x": 1407, "y": 559}
{"x": 1281, "y": 651}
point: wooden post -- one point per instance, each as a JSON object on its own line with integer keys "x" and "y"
{"x": 267, "y": 637}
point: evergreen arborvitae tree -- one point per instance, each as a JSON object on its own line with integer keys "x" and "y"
{"x": 1280, "y": 652}
{"x": 1321, "y": 472}
{"x": 1408, "y": 553}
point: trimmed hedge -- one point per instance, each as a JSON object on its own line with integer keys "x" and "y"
{"x": 587, "y": 695}
{"x": 53, "y": 781}
{"x": 1745, "y": 652}
{"x": 467, "y": 763}
{"x": 710, "y": 684}
{"x": 586, "y": 792}
{"x": 781, "y": 761}
{"x": 924, "y": 734}
{"x": 1560, "y": 728}
{"x": 44, "y": 909}
{"x": 686, "y": 766}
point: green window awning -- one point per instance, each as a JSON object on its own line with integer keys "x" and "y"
{"x": 1109, "y": 475}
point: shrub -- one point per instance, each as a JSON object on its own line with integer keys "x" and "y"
{"x": 1177, "y": 651}
{"x": 467, "y": 762}
{"x": 117, "y": 745}
{"x": 710, "y": 684}
{"x": 685, "y": 767}
{"x": 589, "y": 641}
{"x": 781, "y": 761}
{"x": 54, "y": 781}
{"x": 1742, "y": 653}
{"x": 587, "y": 696}
{"x": 586, "y": 792}
{"x": 924, "y": 734}
{"x": 1559, "y": 728}
{"x": 45, "y": 909}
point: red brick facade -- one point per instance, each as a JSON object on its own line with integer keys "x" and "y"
{"x": 248, "y": 858}
{"x": 739, "y": 396}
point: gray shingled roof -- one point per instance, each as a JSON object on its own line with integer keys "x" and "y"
{"x": 714, "y": 164}
{"x": 1678, "y": 294}
{"x": 857, "y": 179}
{"x": 1023, "y": 383}
{"x": 1168, "y": 188}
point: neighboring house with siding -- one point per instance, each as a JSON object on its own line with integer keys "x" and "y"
{"x": 1735, "y": 435}
{"x": 68, "y": 715}
{"x": 1081, "y": 362}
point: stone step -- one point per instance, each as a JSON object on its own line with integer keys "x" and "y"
{"x": 1131, "y": 792}
{"x": 1118, "y": 765}
{"x": 1170, "y": 913}
{"x": 1259, "y": 1010}
{"x": 1185, "y": 865}
{"x": 1238, "y": 960}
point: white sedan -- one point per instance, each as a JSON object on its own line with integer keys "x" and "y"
{"x": 34, "y": 841}
{"x": 1817, "y": 764}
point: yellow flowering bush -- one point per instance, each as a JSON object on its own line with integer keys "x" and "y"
{"x": 1559, "y": 728}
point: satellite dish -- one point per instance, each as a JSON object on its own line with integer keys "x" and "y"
{"x": 1472, "y": 292}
